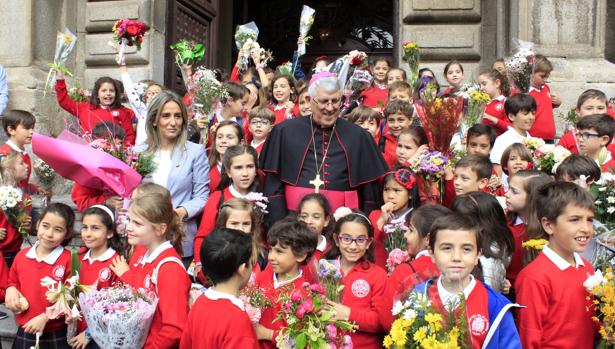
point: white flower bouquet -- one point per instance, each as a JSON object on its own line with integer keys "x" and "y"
{"x": 305, "y": 23}
{"x": 245, "y": 37}
{"x": 15, "y": 207}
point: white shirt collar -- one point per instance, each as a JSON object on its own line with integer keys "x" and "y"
{"x": 512, "y": 129}
{"x": 255, "y": 145}
{"x": 449, "y": 298}
{"x": 500, "y": 98}
{"x": 51, "y": 257}
{"x": 103, "y": 257}
{"x": 533, "y": 88}
{"x": 15, "y": 147}
{"x": 277, "y": 284}
{"x": 150, "y": 257}
{"x": 421, "y": 254}
{"x": 219, "y": 165}
{"x": 279, "y": 107}
{"x": 518, "y": 221}
{"x": 216, "y": 295}
{"x": 560, "y": 262}
{"x": 235, "y": 192}
{"x": 322, "y": 245}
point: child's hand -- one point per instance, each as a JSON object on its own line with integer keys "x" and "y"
{"x": 114, "y": 202}
{"x": 79, "y": 341}
{"x": 414, "y": 158}
{"x": 506, "y": 287}
{"x": 289, "y": 106}
{"x": 256, "y": 57}
{"x": 59, "y": 74}
{"x": 36, "y": 324}
{"x": 555, "y": 100}
{"x": 300, "y": 40}
{"x": 386, "y": 211}
{"x": 119, "y": 266}
{"x": 494, "y": 181}
{"x": 449, "y": 174}
{"x": 12, "y": 299}
{"x": 340, "y": 311}
{"x": 2, "y": 233}
{"x": 239, "y": 55}
{"x": 202, "y": 123}
{"x": 187, "y": 69}
{"x": 263, "y": 333}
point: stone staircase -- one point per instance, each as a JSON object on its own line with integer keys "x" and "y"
{"x": 8, "y": 327}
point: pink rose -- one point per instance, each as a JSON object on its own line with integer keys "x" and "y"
{"x": 296, "y": 296}
{"x": 308, "y": 305}
{"x": 317, "y": 288}
{"x": 331, "y": 330}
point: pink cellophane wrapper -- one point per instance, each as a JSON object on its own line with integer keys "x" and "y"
{"x": 74, "y": 159}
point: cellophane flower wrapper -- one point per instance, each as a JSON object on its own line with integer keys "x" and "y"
{"x": 440, "y": 118}
{"x": 305, "y": 23}
{"x": 395, "y": 238}
{"x": 601, "y": 287}
{"x": 118, "y": 317}
{"x": 65, "y": 43}
{"x": 411, "y": 56}
{"x": 254, "y": 300}
{"x": 396, "y": 257}
{"x": 206, "y": 90}
{"x": 520, "y": 65}
{"x": 330, "y": 276}
{"x": 245, "y": 34}
{"x": 188, "y": 52}
{"x": 15, "y": 208}
{"x": 46, "y": 175}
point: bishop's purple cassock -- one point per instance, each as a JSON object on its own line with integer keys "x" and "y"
{"x": 350, "y": 171}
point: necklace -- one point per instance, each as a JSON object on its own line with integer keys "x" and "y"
{"x": 317, "y": 182}
{"x": 379, "y": 85}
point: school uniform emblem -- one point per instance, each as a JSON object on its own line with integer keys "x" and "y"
{"x": 104, "y": 274}
{"x": 499, "y": 106}
{"x": 478, "y": 325}
{"x": 360, "y": 288}
{"x": 115, "y": 113}
{"x": 58, "y": 272}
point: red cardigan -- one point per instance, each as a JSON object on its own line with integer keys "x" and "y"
{"x": 4, "y": 277}
{"x": 89, "y": 115}
{"x": 85, "y": 197}
{"x": 373, "y": 95}
{"x": 496, "y": 108}
{"x": 208, "y": 222}
{"x": 280, "y": 114}
{"x": 380, "y": 253}
{"x": 544, "y": 125}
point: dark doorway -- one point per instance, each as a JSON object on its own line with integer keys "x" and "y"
{"x": 339, "y": 27}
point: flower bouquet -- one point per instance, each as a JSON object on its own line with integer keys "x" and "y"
{"x": 395, "y": 258}
{"x": 603, "y": 191}
{"x": 330, "y": 276}
{"x": 533, "y": 247}
{"x": 570, "y": 117}
{"x": 430, "y": 166}
{"x": 188, "y": 52}
{"x": 285, "y": 68}
{"x": 46, "y": 175}
{"x": 602, "y": 288}
{"x": 305, "y": 23}
{"x": 533, "y": 143}
{"x": 411, "y": 56}
{"x": 118, "y": 317}
{"x": 548, "y": 157}
{"x": 521, "y": 65}
{"x": 395, "y": 238}
{"x": 477, "y": 99}
{"x": 310, "y": 322}
{"x": 65, "y": 43}
{"x": 254, "y": 300}
{"x": 143, "y": 162}
{"x": 421, "y": 325}
{"x": 207, "y": 92}
{"x": 440, "y": 118}
{"x": 77, "y": 94}
{"x": 245, "y": 37}
{"x": 128, "y": 32}
{"x": 358, "y": 59}
{"x": 16, "y": 208}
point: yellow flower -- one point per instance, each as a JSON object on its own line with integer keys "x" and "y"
{"x": 420, "y": 334}
{"x": 388, "y": 342}
{"x": 535, "y": 244}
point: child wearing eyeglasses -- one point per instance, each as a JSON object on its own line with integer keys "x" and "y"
{"x": 363, "y": 300}
{"x": 594, "y": 133}
{"x": 261, "y": 121}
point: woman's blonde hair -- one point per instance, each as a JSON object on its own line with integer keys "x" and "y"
{"x": 7, "y": 164}
{"x": 150, "y": 187}
{"x": 154, "y": 110}
{"x": 158, "y": 209}
{"x": 255, "y": 215}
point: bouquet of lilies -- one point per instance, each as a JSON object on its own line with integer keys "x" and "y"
{"x": 602, "y": 288}
{"x": 411, "y": 56}
{"x": 245, "y": 38}
{"x": 128, "y": 32}
{"x": 65, "y": 43}
{"x": 330, "y": 275}
{"x": 16, "y": 208}
{"x": 305, "y": 23}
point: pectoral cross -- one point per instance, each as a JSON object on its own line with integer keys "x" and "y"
{"x": 317, "y": 183}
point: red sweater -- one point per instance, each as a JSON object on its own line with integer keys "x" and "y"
{"x": 364, "y": 294}
{"x": 569, "y": 142}
{"x": 390, "y": 150}
{"x": 556, "y": 315}
{"x": 544, "y": 125}
{"x": 98, "y": 272}
{"x": 89, "y": 115}
{"x": 4, "y": 277}
{"x": 85, "y": 197}
{"x": 608, "y": 166}
{"x": 208, "y": 222}
{"x": 373, "y": 95}
{"x": 280, "y": 113}
{"x": 380, "y": 253}
{"x": 214, "y": 178}
{"x": 25, "y": 185}
{"x": 217, "y": 324}
{"x": 519, "y": 232}
{"x": 310, "y": 270}
{"x": 172, "y": 289}
{"x": 264, "y": 281}
{"x": 26, "y": 274}
{"x": 496, "y": 108}
{"x": 13, "y": 240}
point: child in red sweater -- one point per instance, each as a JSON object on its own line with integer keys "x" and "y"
{"x": 155, "y": 265}
{"x": 367, "y": 118}
{"x": 559, "y": 310}
{"x": 315, "y": 212}
{"x": 13, "y": 170}
{"x": 376, "y": 96}
{"x": 544, "y": 125}
{"x": 364, "y": 282}
{"x": 226, "y": 134}
{"x": 101, "y": 240}
{"x": 282, "y": 98}
{"x": 400, "y": 195}
{"x": 590, "y": 102}
{"x": 398, "y": 116}
{"x": 104, "y": 105}
{"x": 292, "y": 244}
{"x": 412, "y": 141}
{"x": 594, "y": 133}
{"x": 228, "y": 258}
{"x": 47, "y": 258}
{"x": 496, "y": 86}
{"x": 261, "y": 120}
{"x": 453, "y": 74}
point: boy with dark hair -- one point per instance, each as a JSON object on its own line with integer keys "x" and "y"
{"x": 472, "y": 173}
{"x": 480, "y": 139}
{"x": 398, "y": 116}
{"x": 227, "y": 257}
{"x": 19, "y": 127}
{"x": 594, "y": 134}
{"x": 575, "y": 166}
{"x": 520, "y": 109}
{"x": 260, "y": 123}
{"x": 544, "y": 127}
{"x": 292, "y": 244}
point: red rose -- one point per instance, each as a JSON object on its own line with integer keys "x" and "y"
{"x": 132, "y": 29}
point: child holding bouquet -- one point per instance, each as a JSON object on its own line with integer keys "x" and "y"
{"x": 47, "y": 258}
{"x": 559, "y": 312}
{"x": 496, "y": 86}
{"x": 455, "y": 247}
{"x": 156, "y": 266}
{"x": 401, "y": 196}
{"x": 364, "y": 282}
{"x": 376, "y": 96}
{"x": 282, "y": 97}
{"x": 13, "y": 170}
{"x": 227, "y": 257}
{"x": 104, "y": 105}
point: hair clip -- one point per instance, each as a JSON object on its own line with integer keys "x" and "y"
{"x": 343, "y": 211}
{"x": 405, "y": 177}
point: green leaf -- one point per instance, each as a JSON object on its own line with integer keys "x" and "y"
{"x": 301, "y": 341}
{"x": 75, "y": 263}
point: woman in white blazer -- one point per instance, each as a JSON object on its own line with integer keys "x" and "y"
{"x": 181, "y": 166}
